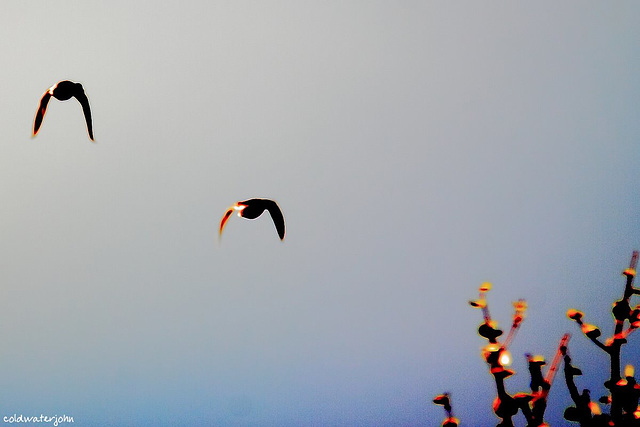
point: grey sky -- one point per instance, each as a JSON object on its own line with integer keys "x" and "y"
{"x": 416, "y": 149}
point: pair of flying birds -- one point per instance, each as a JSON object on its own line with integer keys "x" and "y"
{"x": 249, "y": 209}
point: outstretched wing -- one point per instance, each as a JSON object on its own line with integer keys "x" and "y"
{"x": 225, "y": 218}
{"x": 277, "y": 217}
{"x": 82, "y": 98}
{"x": 44, "y": 101}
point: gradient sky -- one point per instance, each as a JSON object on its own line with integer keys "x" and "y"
{"x": 417, "y": 149}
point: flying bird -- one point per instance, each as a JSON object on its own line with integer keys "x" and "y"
{"x": 252, "y": 209}
{"x": 63, "y": 91}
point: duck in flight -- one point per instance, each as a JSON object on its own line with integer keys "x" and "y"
{"x": 252, "y": 209}
{"x": 63, "y": 91}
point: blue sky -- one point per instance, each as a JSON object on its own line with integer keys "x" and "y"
{"x": 417, "y": 149}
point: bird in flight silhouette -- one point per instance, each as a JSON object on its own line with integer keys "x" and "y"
{"x": 63, "y": 91}
{"x": 252, "y": 209}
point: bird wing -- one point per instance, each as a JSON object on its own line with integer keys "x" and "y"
{"x": 44, "y": 101}
{"x": 82, "y": 98}
{"x": 277, "y": 217}
{"x": 225, "y": 218}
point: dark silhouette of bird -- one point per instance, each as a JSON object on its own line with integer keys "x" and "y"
{"x": 62, "y": 91}
{"x": 252, "y": 209}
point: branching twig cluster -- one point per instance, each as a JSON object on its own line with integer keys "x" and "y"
{"x": 624, "y": 391}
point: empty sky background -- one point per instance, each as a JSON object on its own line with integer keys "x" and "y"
{"x": 416, "y": 148}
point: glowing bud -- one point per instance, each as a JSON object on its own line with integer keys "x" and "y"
{"x": 490, "y": 349}
{"x": 478, "y": 303}
{"x": 520, "y": 305}
{"x": 622, "y": 337}
{"x": 496, "y": 404}
{"x": 441, "y": 399}
{"x": 574, "y": 314}
{"x": 631, "y": 271}
{"x": 591, "y": 331}
{"x": 595, "y": 408}
{"x": 450, "y": 422}
{"x": 505, "y": 358}
{"x": 629, "y": 371}
{"x": 500, "y": 372}
{"x": 523, "y": 397}
{"x": 485, "y": 287}
{"x": 537, "y": 359}
{"x": 634, "y": 318}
